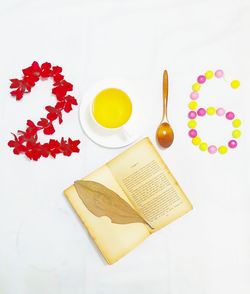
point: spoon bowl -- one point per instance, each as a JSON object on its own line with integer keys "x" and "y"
{"x": 165, "y": 135}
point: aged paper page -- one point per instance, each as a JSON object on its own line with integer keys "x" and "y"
{"x": 149, "y": 184}
{"x": 113, "y": 240}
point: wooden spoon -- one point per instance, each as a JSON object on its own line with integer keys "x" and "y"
{"x": 164, "y": 133}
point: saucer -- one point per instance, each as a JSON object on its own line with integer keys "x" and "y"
{"x": 110, "y": 138}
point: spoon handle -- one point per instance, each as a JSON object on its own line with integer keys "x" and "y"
{"x": 165, "y": 94}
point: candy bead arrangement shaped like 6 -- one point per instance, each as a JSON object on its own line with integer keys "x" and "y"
{"x": 195, "y": 111}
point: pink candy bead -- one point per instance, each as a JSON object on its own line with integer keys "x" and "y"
{"x": 219, "y": 73}
{"x": 212, "y": 149}
{"x": 201, "y": 111}
{"x": 201, "y": 79}
{"x": 230, "y": 115}
{"x": 192, "y": 133}
{"x": 194, "y": 95}
{"x": 220, "y": 111}
{"x": 192, "y": 114}
{"x": 232, "y": 144}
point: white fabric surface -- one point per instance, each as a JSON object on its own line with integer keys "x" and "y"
{"x": 43, "y": 246}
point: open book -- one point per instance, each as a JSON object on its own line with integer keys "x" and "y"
{"x": 127, "y": 199}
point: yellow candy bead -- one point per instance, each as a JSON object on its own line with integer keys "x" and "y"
{"x": 236, "y": 134}
{"x": 203, "y": 146}
{"x": 209, "y": 74}
{"x": 236, "y": 123}
{"x": 222, "y": 149}
{"x": 192, "y": 124}
{"x": 235, "y": 84}
{"x": 211, "y": 111}
{"x": 193, "y": 105}
{"x": 196, "y": 87}
{"x": 196, "y": 141}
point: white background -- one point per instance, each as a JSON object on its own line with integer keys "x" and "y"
{"x": 43, "y": 246}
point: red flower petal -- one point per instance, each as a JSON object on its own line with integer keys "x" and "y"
{"x": 54, "y": 147}
{"x": 15, "y": 83}
{"x": 34, "y": 153}
{"x": 53, "y": 144}
{"x": 51, "y": 116}
{"x": 58, "y": 78}
{"x": 49, "y": 130}
{"x": 67, "y": 107}
{"x": 56, "y": 70}
{"x": 47, "y": 126}
{"x": 59, "y": 91}
{"x": 29, "y": 82}
{"x": 71, "y": 99}
{"x": 60, "y": 105}
{"x": 74, "y": 144}
{"x": 34, "y": 70}
{"x": 17, "y": 145}
{"x": 54, "y": 113}
{"x": 45, "y": 150}
{"x": 46, "y": 70}
{"x": 66, "y": 85}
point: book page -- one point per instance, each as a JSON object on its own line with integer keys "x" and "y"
{"x": 149, "y": 184}
{"x": 113, "y": 240}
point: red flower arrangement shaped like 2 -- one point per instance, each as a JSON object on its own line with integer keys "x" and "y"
{"x": 26, "y": 142}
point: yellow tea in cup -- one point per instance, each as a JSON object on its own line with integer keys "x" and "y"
{"x": 112, "y": 108}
